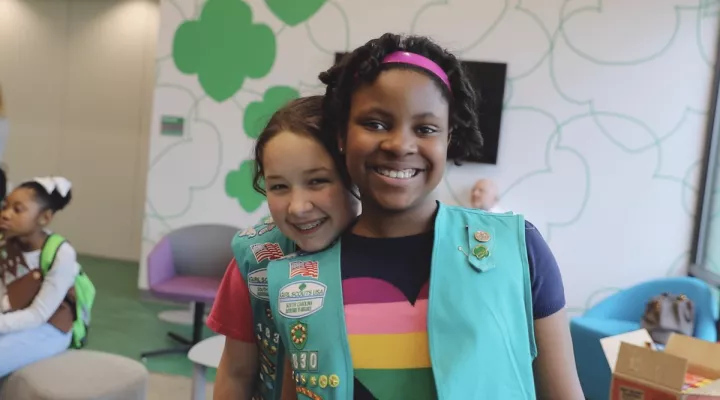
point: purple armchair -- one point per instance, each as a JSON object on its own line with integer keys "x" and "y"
{"x": 187, "y": 266}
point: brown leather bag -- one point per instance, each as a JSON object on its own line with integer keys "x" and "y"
{"x": 22, "y": 290}
{"x": 667, "y": 314}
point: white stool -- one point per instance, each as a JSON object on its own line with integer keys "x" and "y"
{"x": 205, "y": 354}
{"x": 78, "y": 375}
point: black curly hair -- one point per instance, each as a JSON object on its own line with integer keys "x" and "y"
{"x": 364, "y": 64}
{"x": 301, "y": 116}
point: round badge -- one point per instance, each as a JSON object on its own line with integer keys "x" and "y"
{"x": 334, "y": 380}
{"x": 298, "y": 335}
{"x": 482, "y": 236}
{"x": 323, "y": 381}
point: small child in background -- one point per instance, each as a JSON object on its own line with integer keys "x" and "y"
{"x": 36, "y": 317}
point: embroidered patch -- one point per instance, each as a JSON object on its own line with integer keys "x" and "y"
{"x": 267, "y": 365}
{"x": 268, "y": 370}
{"x": 300, "y": 299}
{"x": 305, "y": 361}
{"x": 265, "y": 229}
{"x": 249, "y": 232}
{"x": 304, "y": 268}
{"x": 313, "y": 361}
{"x": 258, "y": 284}
{"x": 307, "y": 392}
{"x": 298, "y": 334}
{"x": 266, "y": 251}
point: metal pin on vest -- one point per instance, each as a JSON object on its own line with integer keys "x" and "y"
{"x": 480, "y": 251}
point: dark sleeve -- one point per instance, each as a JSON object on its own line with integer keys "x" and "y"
{"x": 548, "y": 293}
{"x": 3, "y": 184}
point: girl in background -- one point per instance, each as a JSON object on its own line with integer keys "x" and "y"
{"x": 35, "y": 317}
{"x": 419, "y": 300}
{"x": 310, "y": 206}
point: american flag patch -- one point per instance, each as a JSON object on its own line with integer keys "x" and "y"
{"x": 266, "y": 251}
{"x": 304, "y": 268}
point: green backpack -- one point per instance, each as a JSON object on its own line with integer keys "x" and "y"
{"x": 80, "y": 298}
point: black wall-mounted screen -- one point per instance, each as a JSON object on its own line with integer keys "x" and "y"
{"x": 488, "y": 79}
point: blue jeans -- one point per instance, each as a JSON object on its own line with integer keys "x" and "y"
{"x": 18, "y": 349}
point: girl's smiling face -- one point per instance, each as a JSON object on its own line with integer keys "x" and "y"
{"x": 397, "y": 140}
{"x": 306, "y": 197}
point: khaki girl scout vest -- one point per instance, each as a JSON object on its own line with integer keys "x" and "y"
{"x": 254, "y": 248}
{"x": 480, "y": 323}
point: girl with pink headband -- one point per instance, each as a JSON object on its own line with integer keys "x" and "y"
{"x": 417, "y": 299}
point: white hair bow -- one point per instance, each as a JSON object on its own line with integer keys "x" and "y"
{"x": 52, "y": 183}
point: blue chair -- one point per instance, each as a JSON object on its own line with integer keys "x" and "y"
{"x": 622, "y": 313}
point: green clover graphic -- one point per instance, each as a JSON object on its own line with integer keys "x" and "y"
{"x": 293, "y": 12}
{"x": 238, "y": 185}
{"x": 258, "y": 113}
{"x": 223, "y": 47}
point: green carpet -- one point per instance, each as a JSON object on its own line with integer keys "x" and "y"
{"x": 123, "y": 324}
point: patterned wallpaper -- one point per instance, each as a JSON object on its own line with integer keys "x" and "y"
{"x": 601, "y": 135}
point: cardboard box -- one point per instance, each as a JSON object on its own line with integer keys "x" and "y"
{"x": 641, "y": 372}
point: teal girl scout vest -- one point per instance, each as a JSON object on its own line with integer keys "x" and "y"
{"x": 479, "y": 318}
{"x": 254, "y": 248}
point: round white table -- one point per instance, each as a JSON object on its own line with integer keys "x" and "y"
{"x": 179, "y": 317}
{"x": 204, "y": 355}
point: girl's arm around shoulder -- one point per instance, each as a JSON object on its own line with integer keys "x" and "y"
{"x": 59, "y": 279}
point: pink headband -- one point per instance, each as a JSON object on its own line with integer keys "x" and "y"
{"x": 419, "y": 61}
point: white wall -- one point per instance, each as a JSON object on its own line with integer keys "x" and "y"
{"x": 601, "y": 136}
{"x": 77, "y": 77}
